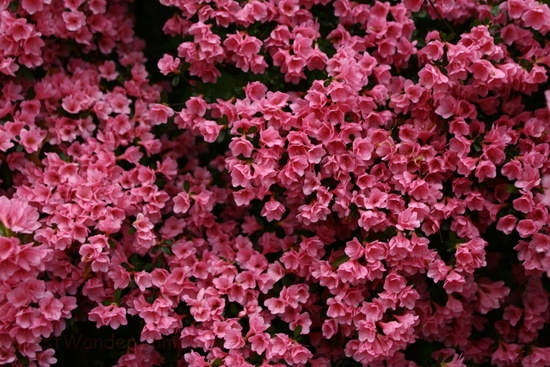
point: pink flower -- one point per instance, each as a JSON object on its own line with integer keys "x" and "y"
{"x": 539, "y": 356}
{"x": 394, "y": 283}
{"x": 32, "y": 139}
{"x": 491, "y": 295}
{"x": 8, "y": 66}
{"x": 279, "y": 346}
{"x": 233, "y": 340}
{"x": 275, "y": 305}
{"x": 74, "y": 20}
{"x": 182, "y": 203}
{"x": 524, "y": 203}
{"x": 241, "y": 146}
{"x": 298, "y": 355}
{"x": 506, "y": 354}
{"x": 9, "y": 246}
{"x": 537, "y": 17}
{"x": 354, "y": 249}
{"x": 516, "y": 8}
{"x": 447, "y": 107}
{"x": 46, "y": 358}
{"x": 50, "y": 307}
{"x": 71, "y": 104}
{"x": 454, "y": 282}
{"x": 484, "y": 71}
{"x": 33, "y": 6}
{"x": 108, "y": 70}
{"x": 259, "y": 342}
{"x": 111, "y": 315}
{"x": 363, "y": 149}
{"x": 210, "y": 130}
{"x": 142, "y": 223}
{"x": 288, "y": 7}
{"x": 160, "y": 113}
{"x": 240, "y": 175}
{"x": 484, "y": 170}
{"x": 512, "y": 170}
{"x": 16, "y": 215}
{"x": 168, "y": 64}
{"x": 273, "y": 210}
{"x": 18, "y": 28}
{"x": 407, "y": 220}
{"x": 526, "y": 228}
{"x": 430, "y": 76}
{"x": 413, "y": 5}
{"x": 470, "y": 255}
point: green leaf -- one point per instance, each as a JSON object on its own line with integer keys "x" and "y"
{"x": 14, "y": 5}
{"x": 166, "y": 250}
{"x": 224, "y": 120}
{"x": 218, "y": 362}
{"x": 159, "y": 262}
{"x": 234, "y": 310}
{"x": 133, "y": 284}
{"x": 117, "y": 295}
{"x": 221, "y": 137}
{"x": 339, "y": 261}
{"x": 136, "y": 261}
{"x": 65, "y": 157}
{"x": 512, "y": 189}
{"x": 186, "y": 186}
{"x": 30, "y": 93}
{"x": 252, "y": 130}
{"x": 148, "y": 267}
{"x": 26, "y": 73}
{"x": 24, "y": 361}
{"x": 112, "y": 244}
{"x": 5, "y": 231}
{"x": 176, "y": 80}
{"x": 495, "y": 10}
{"x": 297, "y": 331}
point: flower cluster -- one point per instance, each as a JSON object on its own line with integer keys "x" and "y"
{"x": 374, "y": 191}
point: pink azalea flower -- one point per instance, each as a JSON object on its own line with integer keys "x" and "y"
{"x": 159, "y": 113}
{"x": 168, "y": 64}
{"x": 74, "y": 20}
{"x": 407, "y": 220}
{"x": 537, "y": 17}
{"x": 273, "y": 210}
{"x": 111, "y": 315}
{"x": 16, "y": 215}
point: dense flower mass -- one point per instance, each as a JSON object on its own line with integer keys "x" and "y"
{"x": 308, "y": 182}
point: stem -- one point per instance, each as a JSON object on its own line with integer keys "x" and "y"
{"x": 443, "y": 19}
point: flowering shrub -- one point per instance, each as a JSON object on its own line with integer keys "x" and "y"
{"x": 322, "y": 183}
